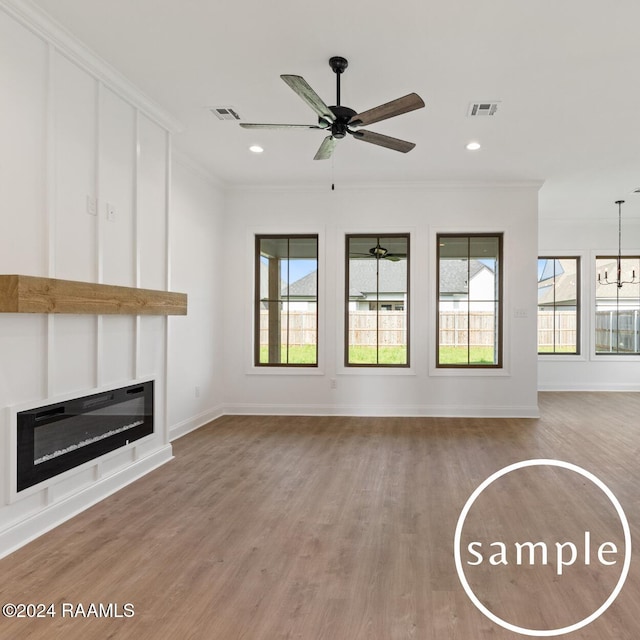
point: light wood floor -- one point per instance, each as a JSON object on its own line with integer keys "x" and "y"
{"x": 324, "y": 528}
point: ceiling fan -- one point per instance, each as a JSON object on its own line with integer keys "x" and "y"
{"x": 341, "y": 120}
{"x": 380, "y": 253}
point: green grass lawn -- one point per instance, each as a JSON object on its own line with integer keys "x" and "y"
{"x": 385, "y": 355}
{"x": 463, "y": 355}
{"x": 307, "y": 354}
{"x": 298, "y": 354}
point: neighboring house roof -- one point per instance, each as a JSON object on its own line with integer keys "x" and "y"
{"x": 305, "y": 287}
{"x": 455, "y": 274}
{"x": 362, "y": 276}
{"x": 565, "y": 290}
{"x": 392, "y": 278}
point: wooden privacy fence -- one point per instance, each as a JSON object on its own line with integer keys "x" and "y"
{"x": 458, "y": 328}
{"x": 391, "y": 328}
{"x": 557, "y": 329}
{"x": 299, "y": 326}
{"x": 618, "y": 331}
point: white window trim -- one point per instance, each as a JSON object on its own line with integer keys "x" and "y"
{"x": 340, "y": 311}
{"x": 471, "y": 371}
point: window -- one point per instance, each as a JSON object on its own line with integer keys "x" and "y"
{"x": 377, "y": 301}
{"x": 286, "y": 300}
{"x": 617, "y": 308}
{"x": 559, "y": 305}
{"x": 469, "y": 320}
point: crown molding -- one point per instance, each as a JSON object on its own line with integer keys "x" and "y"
{"x": 426, "y": 185}
{"x": 188, "y": 162}
{"x": 52, "y": 32}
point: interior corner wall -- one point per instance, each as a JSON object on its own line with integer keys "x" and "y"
{"x": 586, "y": 240}
{"x": 71, "y": 146}
{"x": 195, "y": 373}
{"x": 422, "y": 211}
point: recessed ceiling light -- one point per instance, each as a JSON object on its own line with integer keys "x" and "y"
{"x": 473, "y": 146}
{"x": 256, "y": 148}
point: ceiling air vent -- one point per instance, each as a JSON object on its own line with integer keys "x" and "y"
{"x": 225, "y": 113}
{"x": 483, "y": 108}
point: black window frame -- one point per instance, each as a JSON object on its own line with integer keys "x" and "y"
{"x": 578, "y": 306}
{"x": 258, "y": 300}
{"x": 623, "y": 354}
{"x": 376, "y": 237}
{"x": 499, "y": 303}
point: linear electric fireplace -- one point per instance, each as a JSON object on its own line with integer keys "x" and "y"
{"x": 58, "y": 437}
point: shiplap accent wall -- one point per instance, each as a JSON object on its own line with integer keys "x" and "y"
{"x": 73, "y": 135}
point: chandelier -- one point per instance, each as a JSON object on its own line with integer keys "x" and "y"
{"x": 618, "y": 281}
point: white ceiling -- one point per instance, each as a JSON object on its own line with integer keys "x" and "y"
{"x": 565, "y": 71}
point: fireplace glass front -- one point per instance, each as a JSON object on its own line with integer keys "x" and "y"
{"x": 58, "y": 437}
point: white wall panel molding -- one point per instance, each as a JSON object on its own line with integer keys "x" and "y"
{"x": 49, "y": 166}
{"x": 137, "y": 238}
{"x": 167, "y": 252}
{"x": 88, "y": 138}
{"x": 50, "y": 207}
{"x": 51, "y": 31}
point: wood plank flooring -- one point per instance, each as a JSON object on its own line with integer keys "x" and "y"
{"x": 326, "y": 528}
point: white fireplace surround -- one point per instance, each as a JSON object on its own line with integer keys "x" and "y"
{"x": 72, "y": 491}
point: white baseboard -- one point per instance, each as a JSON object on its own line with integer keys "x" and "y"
{"x": 592, "y": 387}
{"x": 24, "y": 531}
{"x": 428, "y": 411}
{"x": 191, "y": 424}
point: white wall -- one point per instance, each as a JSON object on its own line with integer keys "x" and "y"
{"x": 195, "y": 374}
{"x": 587, "y": 239}
{"x": 423, "y": 212}
{"x": 73, "y": 132}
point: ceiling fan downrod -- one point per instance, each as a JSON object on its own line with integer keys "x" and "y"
{"x": 338, "y": 64}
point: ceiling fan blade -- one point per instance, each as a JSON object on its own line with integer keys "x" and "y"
{"x": 253, "y": 125}
{"x": 395, "y": 257}
{"x": 388, "y": 110}
{"x": 326, "y": 148}
{"x": 302, "y": 88}
{"x": 384, "y": 141}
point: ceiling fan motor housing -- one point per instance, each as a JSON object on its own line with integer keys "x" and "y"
{"x": 339, "y": 125}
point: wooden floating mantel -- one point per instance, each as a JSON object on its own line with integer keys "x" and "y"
{"x": 30, "y": 294}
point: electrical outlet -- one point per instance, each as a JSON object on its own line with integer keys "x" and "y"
{"x": 111, "y": 212}
{"x": 520, "y": 313}
{"x": 92, "y": 206}
{"x": 333, "y": 383}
